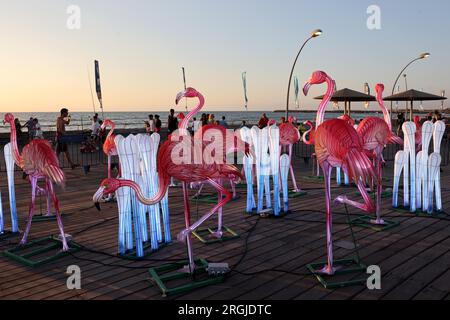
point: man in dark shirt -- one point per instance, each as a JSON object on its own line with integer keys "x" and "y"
{"x": 61, "y": 145}
{"x": 172, "y": 122}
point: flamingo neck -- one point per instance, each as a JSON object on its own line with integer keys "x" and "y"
{"x": 387, "y": 116}
{"x": 326, "y": 99}
{"x": 15, "y": 149}
{"x": 113, "y": 127}
{"x": 137, "y": 189}
{"x": 309, "y": 133}
{"x": 185, "y": 122}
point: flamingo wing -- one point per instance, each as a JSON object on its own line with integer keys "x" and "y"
{"x": 40, "y": 159}
{"x": 289, "y": 134}
{"x": 337, "y": 142}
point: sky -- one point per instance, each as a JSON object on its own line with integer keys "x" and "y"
{"x": 142, "y": 45}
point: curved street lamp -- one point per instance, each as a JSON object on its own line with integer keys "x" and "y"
{"x": 316, "y": 33}
{"x": 421, "y": 57}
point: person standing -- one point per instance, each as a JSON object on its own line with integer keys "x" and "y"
{"x": 30, "y": 125}
{"x": 172, "y": 122}
{"x": 61, "y": 146}
{"x": 263, "y": 122}
{"x": 158, "y": 124}
{"x": 151, "y": 124}
{"x": 223, "y": 123}
{"x": 38, "y": 134}
{"x": 196, "y": 125}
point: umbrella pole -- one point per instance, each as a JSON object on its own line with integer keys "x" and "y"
{"x": 349, "y": 108}
{"x": 411, "y": 111}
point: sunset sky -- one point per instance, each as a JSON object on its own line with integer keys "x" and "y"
{"x": 142, "y": 45}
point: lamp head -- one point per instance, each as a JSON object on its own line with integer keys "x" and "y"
{"x": 316, "y": 33}
{"x": 425, "y": 55}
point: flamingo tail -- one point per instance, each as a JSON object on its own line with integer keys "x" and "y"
{"x": 359, "y": 165}
{"x": 394, "y": 139}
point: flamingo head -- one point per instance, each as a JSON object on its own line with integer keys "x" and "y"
{"x": 417, "y": 121}
{"x": 9, "y": 118}
{"x": 272, "y": 122}
{"x": 106, "y": 123}
{"x": 188, "y": 93}
{"x": 318, "y": 77}
{"x": 108, "y": 186}
{"x": 379, "y": 88}
{"x": 291, "y": 119}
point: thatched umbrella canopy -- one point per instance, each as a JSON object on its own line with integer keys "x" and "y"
{"x": 348, "y": 96}
{"x": 414, "y": 95}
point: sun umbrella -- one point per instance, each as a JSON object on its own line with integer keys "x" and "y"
{"x": 348, "y": 96}
{"x": 414, "y": 95}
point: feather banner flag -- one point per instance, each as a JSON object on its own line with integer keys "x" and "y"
{"x": 366, "y": 91}
{"x": 244, "y": 82}
{"x": 297, "y": 90}
{"x": 335, "y": 103}
{"x": 98, "y": 86}
{"x": 442, "y": 103}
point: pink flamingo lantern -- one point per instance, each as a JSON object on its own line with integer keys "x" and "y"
{"x": 38, "y": 161}
{"x": 337, "y": 144}
{"x": 109, "y": 147}
{"x": 289, "y": 135}
{"x": 169, "y": 166}
{"x": 376, "y": 133}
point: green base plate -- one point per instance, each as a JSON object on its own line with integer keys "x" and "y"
{"x": 384, "y": 194}
{"x": 228, "y": 235}
{"x": 241, "y": 186}
{"x": 41, "y": 217}
{"x": 402, "y": 209}
{"x": 211, "y": 198}
{"x": 131, "y": 254}
{"x": 206, "y": 198}
{"x": 293, "y": 194}
{"x": 162, "y": 276}
{"x": 39, "y": 248}
{"x": 365, "y": 222}
{"x": 313, "y": 178}
{"x": 349, "y": 266}
{"x": 7, "y": 234}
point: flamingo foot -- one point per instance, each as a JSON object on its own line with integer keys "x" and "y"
{"x": 297, "y": 190}
{"x": 23, "y": 242}
{"x": 327, "y": 270}
{"x": 188, "y": 269}
{"x": 217, "y": 234}
{"x": 378, "y": 222}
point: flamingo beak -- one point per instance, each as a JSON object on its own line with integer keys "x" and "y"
{"x": 179, "y": 97}
{"x": 97, "y": 197}
{"x": 306, "y": 88}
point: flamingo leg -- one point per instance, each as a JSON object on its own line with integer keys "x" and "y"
{"x": 109, "y": 165}
{"x": 187, "y": 236}
{"x": 33, "y": 181}
{"x": 219, "y": 233}
{"x": 328, "y": 269}
{"x": 367, "y": 206}
{"x": 58, "y": 215}
{"x": 294, "y": 181}
{"x": 379, "y": 169}
{"x": 189, "y": 229}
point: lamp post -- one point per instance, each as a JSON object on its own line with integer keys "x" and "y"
{"x": 421, "y": 57}
{"x": 316, "y": 33}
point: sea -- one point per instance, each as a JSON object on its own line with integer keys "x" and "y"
{"x": 136, "y": 120}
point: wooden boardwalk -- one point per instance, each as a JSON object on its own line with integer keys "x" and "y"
{"x": 268, "y": 259}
